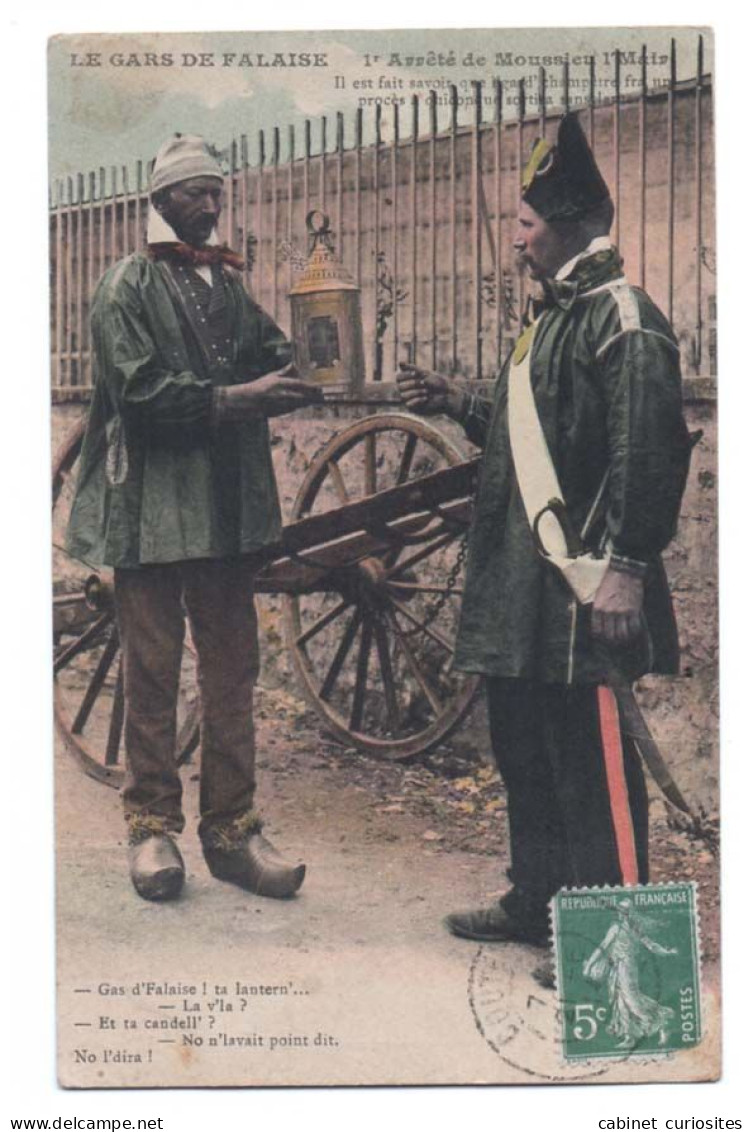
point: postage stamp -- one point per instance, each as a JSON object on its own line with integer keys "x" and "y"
{"x": 628, "y": 970}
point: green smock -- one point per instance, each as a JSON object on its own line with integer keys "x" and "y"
{"x": 159, "y": 480}
{"x": 606, "y": 380}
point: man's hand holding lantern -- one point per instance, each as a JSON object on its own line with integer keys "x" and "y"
{"x": 273, "y": 395}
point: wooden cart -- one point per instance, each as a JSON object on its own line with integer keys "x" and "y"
{"x": 369, "y": 572}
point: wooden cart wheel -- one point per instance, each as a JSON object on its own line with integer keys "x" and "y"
{"x": 374, "y": 654}
{"x": 88, "y": 687}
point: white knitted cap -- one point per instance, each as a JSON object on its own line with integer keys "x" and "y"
{"x": 181, "y": 157}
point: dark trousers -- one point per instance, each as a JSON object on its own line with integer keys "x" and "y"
{"x": 576, "y": 795}
{"x": 151, "y": 605}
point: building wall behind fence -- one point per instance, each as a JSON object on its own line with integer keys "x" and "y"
{"x": 424, "y": 223}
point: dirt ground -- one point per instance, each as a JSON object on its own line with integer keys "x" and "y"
{"x": 452, "y": 799}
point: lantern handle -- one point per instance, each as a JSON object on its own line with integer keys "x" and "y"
{"x": 317, "y": 223}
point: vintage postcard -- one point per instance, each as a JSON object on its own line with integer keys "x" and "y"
{"x": 383, "y": 374}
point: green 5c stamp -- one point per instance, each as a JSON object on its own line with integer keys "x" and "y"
{"x": 627, "y": 962}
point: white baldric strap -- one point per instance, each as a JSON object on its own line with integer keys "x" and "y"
{"x": 538, "y": 483}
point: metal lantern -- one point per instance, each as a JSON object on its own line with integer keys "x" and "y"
{"x": 326, "y": 313}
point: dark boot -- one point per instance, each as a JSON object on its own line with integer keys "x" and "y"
{"x": 495, "y": 925}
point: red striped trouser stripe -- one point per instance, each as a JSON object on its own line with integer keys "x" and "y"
{"x": 619, "y": 801}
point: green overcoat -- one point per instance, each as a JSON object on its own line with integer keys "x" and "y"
{"x": 158, "y": 480}
{"x": 606, "y": 380}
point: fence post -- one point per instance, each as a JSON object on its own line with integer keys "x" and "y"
{"x": 59, "y": 275}
{"x": 289, "y": 225}
{"x": 260, "y": 221}
{"x": 244, "y": 210}
{"x": 698, "y": 206}
{"x": 113, "y": 214}
{"x": 126, "y": 205}
{"x": 414, "y": 229}
{"x": 671, "y": 181}
{"x": 69, "y": 283}
{"x": 616, "y": 141}
{"x": 102, "y": 220}
{"x": 395, "y": 210}
{"x": 90, "y": 277}
{"x": 340, "y": 147}
{"x": 358, "y": 161}
{"x": 453, "y": 227}
{"x": 498, "y": 110}
{"x": 87, "y": 372}
{"x": 542, "y": 101}
{"x": 476, "y": 175}
{"x": 642, "y": 170}
{"x": 377, "y": 375}
{"x": 521, "y": 118}
{"x": 79, "y": 276}
{"x": 138, "y": 218}
{"x": 230, "y": 196}
{"x": 275, "y": 166}
{"x": 323, "y": 165}
{"x": 433, "y": 216}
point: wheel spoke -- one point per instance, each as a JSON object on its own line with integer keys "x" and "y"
{"x": 435, "y": 635}
{"x": 116, "y": 720}
{"x": 419, "y": 555}
{"x": 337, "y": 478}
{"x": 375, "y": 676}
{"x": 370, "y": 468}
{"x": 388, "y": 677}
{"x": 81, "y": 643}
{"x": 322, "y": 622}
{"x": 97, "y": 682}
{"x": 340, "y": 656}
{"x": 362, "y": 676}
{"x": 407, "y": 459}
{"x": 402, "y": 474}
{"x": 413, "y": 664}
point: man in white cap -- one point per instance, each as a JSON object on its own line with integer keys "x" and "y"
{"x": 177, "y": 493}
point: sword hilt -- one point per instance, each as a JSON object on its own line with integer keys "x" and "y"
{"x": 557, "y": 508}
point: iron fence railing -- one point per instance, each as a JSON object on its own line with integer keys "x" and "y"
{"x": 424, "y": 216}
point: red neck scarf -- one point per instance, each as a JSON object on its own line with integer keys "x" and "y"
{"x": 198, "y": 257}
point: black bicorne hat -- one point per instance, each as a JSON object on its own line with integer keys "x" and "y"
{"x": 562, "y": 181}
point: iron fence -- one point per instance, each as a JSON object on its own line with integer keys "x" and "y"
{"x": 424, "y": 216}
